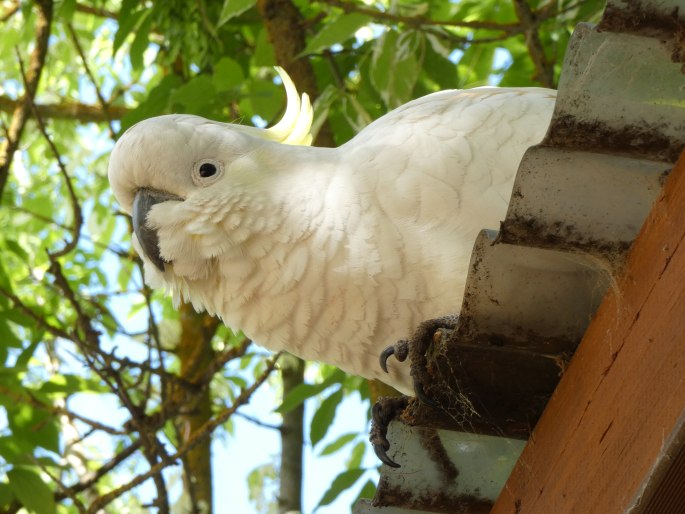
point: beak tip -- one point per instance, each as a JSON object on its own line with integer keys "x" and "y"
{"x": 148, "y": 238}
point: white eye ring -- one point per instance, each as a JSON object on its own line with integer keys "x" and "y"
{"x": 207, "y": 171}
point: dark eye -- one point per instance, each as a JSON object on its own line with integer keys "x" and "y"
{"x": 207, "y": 169}
{"x": 206, "y": 172}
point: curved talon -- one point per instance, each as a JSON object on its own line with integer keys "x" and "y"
{"x": 382, "y": 413}
{"x": 400, "y": 350}
{"x": 383, "y": 359}
{"x": 379, "y": 450}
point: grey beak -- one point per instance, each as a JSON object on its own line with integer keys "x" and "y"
{"x": 142, "y": 203}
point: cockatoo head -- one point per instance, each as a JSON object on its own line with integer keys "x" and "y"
{"x": 188, "y": 184}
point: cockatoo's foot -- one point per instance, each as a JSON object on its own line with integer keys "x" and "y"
{"x": 383, "y": 412}
{"x": 387, "y": 408}
{"x": 416, "y": 349}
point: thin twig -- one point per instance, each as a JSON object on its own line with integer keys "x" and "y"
{"x": 68, "y": 494}
{"x": 51, "y": 329}
{"x": 220, "y": 360}
{"x": 75, "y": 205}
{"x": 258, "y": 422}
{"x": 90, "y": 336}
{"x": 119, "y": 252}
{"x": 103, "y": 103}
{"x": 101, "y": 471}
{"x": 89, "y": 343}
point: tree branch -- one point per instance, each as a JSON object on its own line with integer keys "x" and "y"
{"x": 196, "y": 355}
{"x": 197, "y": 437}
{"x": 544, "y": 68}
{"x": 36, "y": 63}
{"x": 69, "y": 110}
{"x": 420, "y": 21}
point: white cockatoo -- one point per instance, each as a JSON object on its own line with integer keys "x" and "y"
{"x": 328, "y": 253}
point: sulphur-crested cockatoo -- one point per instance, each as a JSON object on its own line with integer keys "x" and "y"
{"x": 328, "y": 253}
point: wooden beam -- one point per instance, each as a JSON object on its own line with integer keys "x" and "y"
{"x": 617, "y": 409}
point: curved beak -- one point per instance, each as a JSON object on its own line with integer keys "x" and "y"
{"x": 142, "y": 203}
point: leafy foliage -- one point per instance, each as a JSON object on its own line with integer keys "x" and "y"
{"x": 83, "y": 325}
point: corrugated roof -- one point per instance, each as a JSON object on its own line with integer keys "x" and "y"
{"x": 579, "y": 200}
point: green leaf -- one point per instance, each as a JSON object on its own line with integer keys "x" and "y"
{"x": 140, "y": 42}
{"x": 26, "y": 354}
{"x": 237, "y": 380}
{"x": 368, "y": 490}
{"x": 13, "y": 450}
{"x": 298, "y": 395}
{"x": 7, "y": 337}
{"x": 31, "y": 491}
{"x": 128, "y": 19}
{"x": 16, "y": 249}
{"x": 12, "y": 387}
{"x": 476, "y": 64}
{"x": 227, "y": 74}
{"x": 233, "y": 8}
{"x": 34, "y": 426}
{"x": 354, "y": 112}
{"x": 66, "y": 10}
{"x": 338, "y": 443}
{"x": 264, "y": 51}
{"x": 339, "y": 30}
{"x": 303, "y": 391}
{"x": 436, "y": 65}
{"x": 195, "y": 94}
{"x": 5, "y": 282}
{"x": 395, "y": 67}
{"x": 357, "y": 455}
{"x": 156, "y": 102}
{"x": 6, "y": 495}
{"x": 342, "y": 482}
{"x": 264, "y": 98}
{"x": 324, "y": 415}
{"x": 69, "y": 384}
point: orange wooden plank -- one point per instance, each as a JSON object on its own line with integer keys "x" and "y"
{"x": 624, "y": 390}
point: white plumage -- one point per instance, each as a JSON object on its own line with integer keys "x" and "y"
{"x": 329, "y": 253}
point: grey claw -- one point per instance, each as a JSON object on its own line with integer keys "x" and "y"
{"x": 383, "y": 457}
{"x": 382, "y": 412}
{"x": 400, "y": 350}
{"x": 383, "y": 359}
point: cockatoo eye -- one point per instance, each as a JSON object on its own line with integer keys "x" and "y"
{"x": 207, "y": 171}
